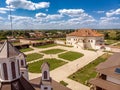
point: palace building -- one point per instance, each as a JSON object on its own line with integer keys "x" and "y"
{"x": 14, "y": 72}
{"x": 108, "y": 77}
{"x": 85, "y": 38}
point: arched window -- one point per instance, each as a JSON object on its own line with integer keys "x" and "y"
{"x": 45, "y": 74}
{"x": 5, "y": 71}
{"x": 18, "y": 67}
{"x": 22, "y": 63}
{"x": 45, "y": 88}
{"x": 13, "y": 70}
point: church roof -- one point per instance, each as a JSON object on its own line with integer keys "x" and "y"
{"x": 45, "y": 65}
{"x": 19, "y": 84}
{"x": 85, "y": 32}
{"x": 8, "y": 50}
{"x": 55, "y": 85}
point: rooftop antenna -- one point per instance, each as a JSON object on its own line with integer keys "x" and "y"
{"x": 11, "y": 24}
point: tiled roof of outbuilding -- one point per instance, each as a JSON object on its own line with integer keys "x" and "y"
{"x": 85, "y": 32}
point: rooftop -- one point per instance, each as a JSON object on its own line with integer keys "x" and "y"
{"x": 55, "y": 85}
{"x": 105, "y": 84}
{"x": 8, "y": 50}
{"x": 85, "y": 32}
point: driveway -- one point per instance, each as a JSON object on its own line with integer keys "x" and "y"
{"x": 64, "y": 71}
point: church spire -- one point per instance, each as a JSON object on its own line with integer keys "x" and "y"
{"x": 8, "y": 50}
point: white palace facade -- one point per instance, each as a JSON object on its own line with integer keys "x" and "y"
{"x": 85, "y": 38}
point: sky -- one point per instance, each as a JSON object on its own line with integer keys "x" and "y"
{"x": 60, "y": 14}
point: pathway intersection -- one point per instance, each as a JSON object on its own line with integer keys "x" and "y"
{"x": 61, "y": 73}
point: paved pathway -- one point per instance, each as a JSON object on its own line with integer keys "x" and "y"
{"x": 75, "y": 85}
{"x": 64, "y": 71}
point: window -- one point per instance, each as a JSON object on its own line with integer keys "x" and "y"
{"x": 22, "y": 72}
{"x": 18, "y": 67}
{"x": 22, "y": 63}
{"x": 5, "y": 71}
{"x": 91, "y": 40}
{"x": 83, "y": 41}
{"x": 45, "y": 74}
{"x": 45, "y": 88}
{"x": 13, "y": 70}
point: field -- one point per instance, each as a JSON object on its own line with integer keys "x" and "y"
{"x": 33, "y": 56}
{"x": 109, "y": 42}
{"x": 53, "y": 51}
{"x": 26, "y": 49}
{"x": 54, "y": 63}
{"x": 86, "y": 73}
{"x": 70, "y": 55}
{"x": 47, "y": 46}
{"x": 117, "y": 45}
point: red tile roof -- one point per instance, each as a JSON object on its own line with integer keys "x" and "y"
{"x": 85, "y": 32}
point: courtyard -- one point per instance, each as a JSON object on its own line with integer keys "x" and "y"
{"x": 62, "y": 65}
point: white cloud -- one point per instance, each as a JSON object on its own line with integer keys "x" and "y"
{"x": 113, "y": 12}
{"x": 99, "y": 12}
{"x": 42, "y": 5}
{"x": 66, "y": 18}
{"x": 109, "y": 22}
{"x": 71, "y": 12}
{"x": 40, "y": 15}
{"x": 109, "y": 18}
{"x": 17, "y": 19}
{"x": 25, "y": 4}
{"x": 54, "y": 17}
{"x": 1, "y": 18}
{"x": 5, "y": 10}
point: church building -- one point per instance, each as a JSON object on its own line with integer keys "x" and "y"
{"x": 14, "y": 72}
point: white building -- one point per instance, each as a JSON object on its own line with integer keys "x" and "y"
{"x": 14, "y": 72}
{"x": 108, "y": 77}
{"x": 85, "y": 38}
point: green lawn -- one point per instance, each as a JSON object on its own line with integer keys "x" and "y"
{"x": 65, "y": 45}
{"x": 54, "y": 63}
{"x": 53, "y": 51}
{"x": 33, "y": 56}
{"x": 86, "y": 73}
{"x": 47, "y": 46}
{"x": 70, "y": 55}
{"x": 108, "y": 42}
{"x": 63, "y": 83}
{"x": 26, "y": 49}
{"x": 117, "y": 45}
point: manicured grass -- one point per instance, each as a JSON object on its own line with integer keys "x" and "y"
{"x": 117, "y": 45}
{"x": 47, "y": 46}
{"x": 63, "y": 83}
{"x": 92, "y": 50}
{"x": 108, "y": 42}
{"x": 53, "y": 51}
{"x": 54, "y": 63}
{"x": 70, "y": 55}
{"x": 26, "y": 49}
{"x": 33, "y": 56}
{"x": 65, "y": 45}
{"x": 84, "y": 74}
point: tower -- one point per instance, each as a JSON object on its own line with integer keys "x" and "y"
{"x": 10, "y": 73}
{"x": 46, "y": 80}
{"x": 9, "y": 63}
{"x": 23, "y": 66}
